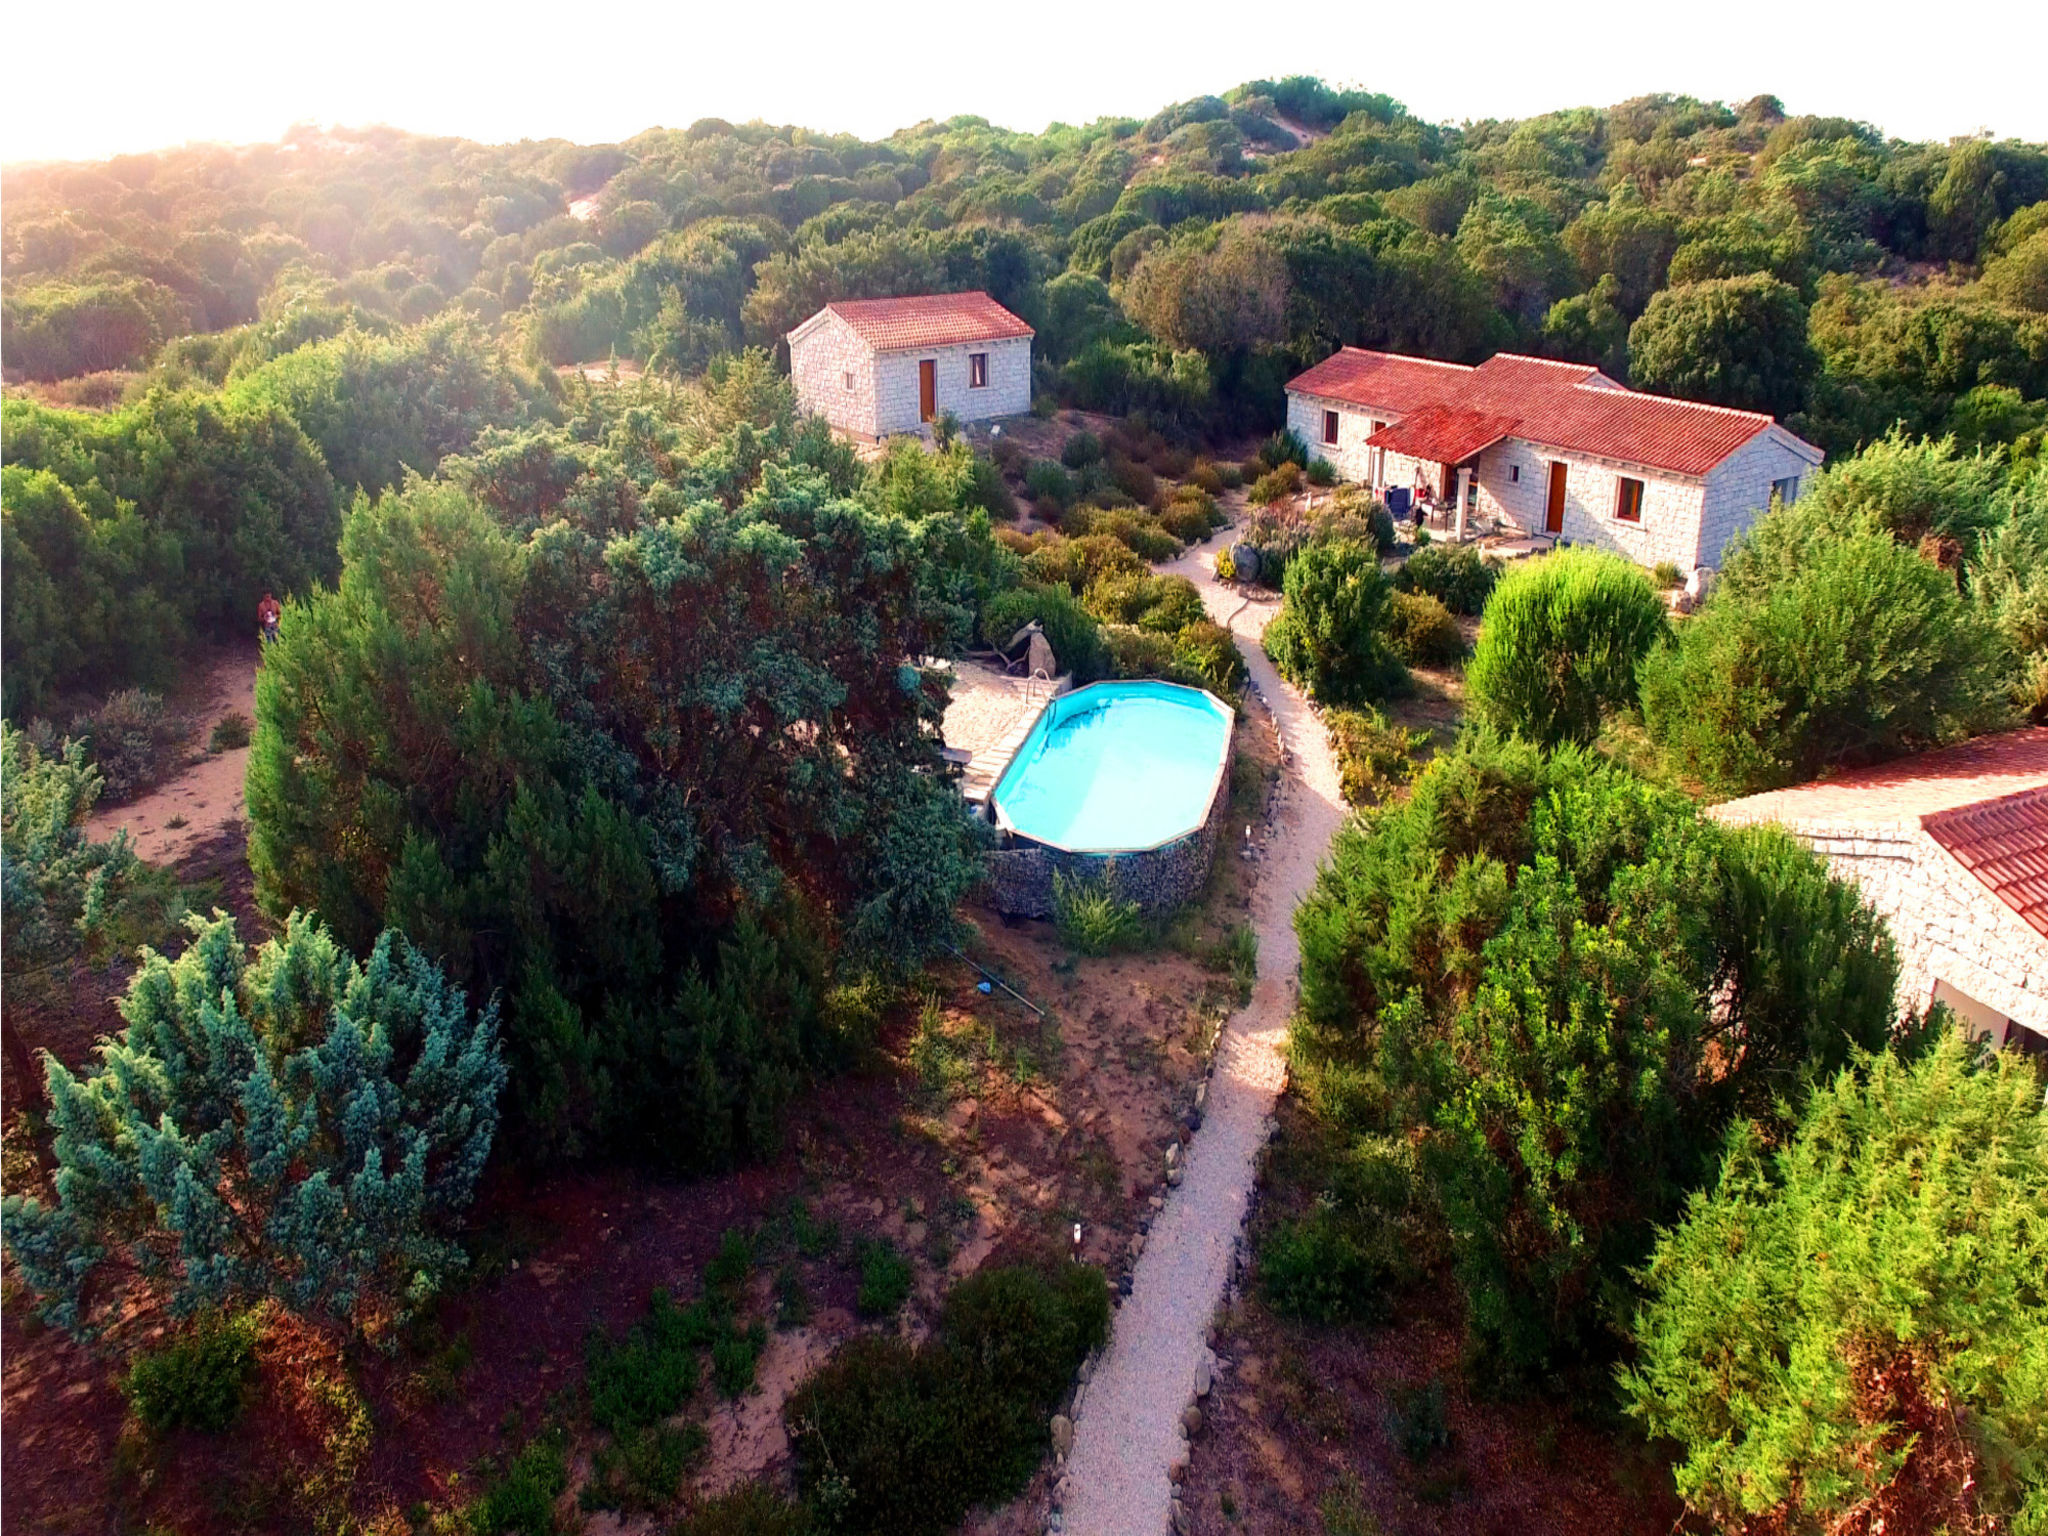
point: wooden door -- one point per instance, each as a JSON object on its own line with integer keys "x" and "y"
{"x": 1553, "y": 512}
{"x": 928, "y": 390}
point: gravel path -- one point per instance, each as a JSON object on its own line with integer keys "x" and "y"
{"x": 1128, "y": 1435}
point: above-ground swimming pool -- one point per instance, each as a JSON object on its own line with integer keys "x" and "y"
{"x": 1117, "y": 768}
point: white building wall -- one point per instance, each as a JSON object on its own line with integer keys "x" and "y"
{"x": 1948, "y": 927}
{"x": 1008, "y": 392}
{"x": 820, "y": 360}
{"x": 1350, "y": 457}
{"x": 1670, "y": 525}
{"x": 1739, "y": 487}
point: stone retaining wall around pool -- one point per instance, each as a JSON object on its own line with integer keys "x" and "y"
{"x": 1158, "y": 879}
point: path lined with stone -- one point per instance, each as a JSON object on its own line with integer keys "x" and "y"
{"x": 1130, "y": 1438}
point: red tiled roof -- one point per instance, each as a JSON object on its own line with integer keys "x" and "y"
{"x": 1557, "y": 405}
{"x": 2004, "y": 843}
{"x": 1984, "y": 801}
{"x": 928, "y": 320}
{"x": 1441, "y": 435}
{"x": 1394, "y": 383}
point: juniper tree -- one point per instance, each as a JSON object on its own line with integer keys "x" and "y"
{"x": 299, "y": 1126}
{"x": 1559, "y": 643}
{"x": 63, "y": 892}
{"x": 1849, "y": 1330}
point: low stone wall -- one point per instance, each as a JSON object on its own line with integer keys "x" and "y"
{"x": 1158, "y": 879}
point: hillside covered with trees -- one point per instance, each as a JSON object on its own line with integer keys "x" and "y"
{"x": 599, "y": 811}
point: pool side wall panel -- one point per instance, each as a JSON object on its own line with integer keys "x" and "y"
{"x": 1158, "y": 879}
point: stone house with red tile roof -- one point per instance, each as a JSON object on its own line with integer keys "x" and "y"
{"x": 1551, "y": 448}
{"x": 874, "y": 367}
{"x": 1952, "y": 847}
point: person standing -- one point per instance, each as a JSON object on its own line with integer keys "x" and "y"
{"x": 268, "y": 613}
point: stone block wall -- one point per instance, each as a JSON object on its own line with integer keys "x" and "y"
{"x": 1007, "y": 393}
{"x": 1949, "y": 928}
{"x": 1739, "y": 489}
{"x": 834, "y": 375}
{"x": 1158, "y": 879}
{"x": 1670, "y": 524}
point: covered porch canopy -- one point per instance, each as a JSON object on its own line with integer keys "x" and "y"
{"x": 1449, "y": 439}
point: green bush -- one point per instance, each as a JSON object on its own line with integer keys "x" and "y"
{"x": 1138, "y": 532}
{"x": 644, "y": 1469}
{"x": 1081, "y": 450}
{"x": 1422, "y": 631}
{"x": 1284, "y": 447}
{"x": 1046, "y": 481}
{"x": 1206, "y": 655}
{"x": 1349, "y": 515}
{"x": 186, "y": 1143}
{"x": 749, "y": 1510}
{"x": 230, "y": 732}
{"x": 1666, "y": 576}
{"x": 1329, "y": 638}
{"x": 1091, "y": 917}
{"x": 643, "y": 1378}
{"x": 1163, "y": 604}
{"x": 200, "y": 1380}
{"x": 521, "y": 1501}
{"x": 1554, "y": 985}
{"x": 1073, "y": 632}
{"x": 1374, "y": 757}
{"x": 1416, "y": 1421}
{"x": 1559, "y": 645}
{"x": 1851, "y": 1324}
{"x": 885, "y": 1278}
{"x": 1820, "y": 646}
{"x": 130, "y": 739}
{"x": 1276, "y": 485}
{"x": 1322, "y": 1269}
{"x": 1321, "y": 473}
{"x": 1456, "y": 575}
{"x": 1024, "y": 1329}
{"x": 904, "y": 1440}
{"x": 734, "y": 1354}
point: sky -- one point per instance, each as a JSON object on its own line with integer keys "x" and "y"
{"x": 121, "y": 76}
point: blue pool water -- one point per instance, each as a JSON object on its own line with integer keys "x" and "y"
{"x": 1117, "y": 766}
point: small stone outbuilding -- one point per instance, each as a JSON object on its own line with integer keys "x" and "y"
{"x": 1952, "y": 848}
{"x": 1550, "y": 448}
{"x": 876, "y": 367}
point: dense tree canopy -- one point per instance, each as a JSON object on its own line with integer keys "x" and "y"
{"x": 1848, "y": 1331}
{"x": 1210, "y": 225}
{"x": 1825, "y": 643}
{"x": 627, "y": 719}
{"x": 1555, "y": 985}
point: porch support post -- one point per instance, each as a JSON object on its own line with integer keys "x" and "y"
{"x": 1464, "y": 485}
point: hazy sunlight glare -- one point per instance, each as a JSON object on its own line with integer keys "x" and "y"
{"x": 136, "y": 77}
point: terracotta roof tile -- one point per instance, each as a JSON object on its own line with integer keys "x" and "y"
{"x": 1442, "y": 435}
{"x": 1394, "y": 383}
{"x": 2004, "y": 843}
{"x": 928, "y": 320}
{"x": 1568, "y": 406}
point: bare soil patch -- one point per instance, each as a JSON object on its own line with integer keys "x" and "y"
{"x": 201, "y": 801}
{"x": 1300, "y": 1425}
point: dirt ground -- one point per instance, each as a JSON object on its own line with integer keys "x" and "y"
{"x": 1299, "y": 1434}
{"x": 980, "y": 1128}
{"x": 202, "y": 801}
